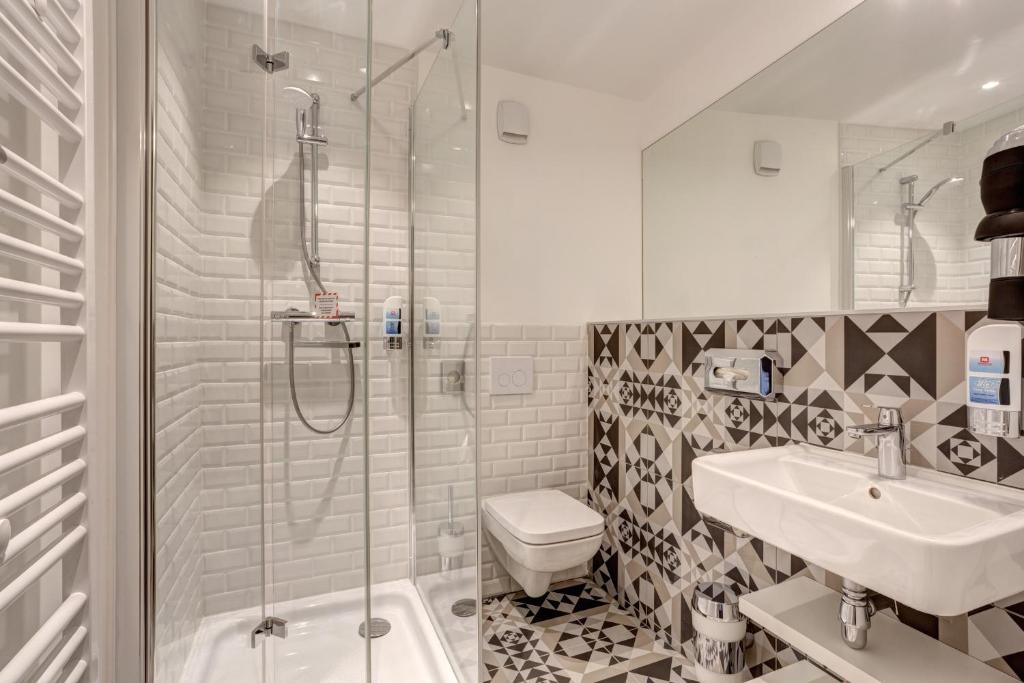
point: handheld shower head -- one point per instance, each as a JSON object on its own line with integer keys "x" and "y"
{"x": 937, "y": 186}
{"x": 307, "y": 104}
{"x": 300, "y": 98}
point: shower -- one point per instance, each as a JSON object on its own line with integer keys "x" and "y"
{"x": 906, "y": 220}
{"x": 879, "y": 267}
{"x": 932, "y": 190}
{"x": 285, "y": 544}
{"x": 309, "y": 134}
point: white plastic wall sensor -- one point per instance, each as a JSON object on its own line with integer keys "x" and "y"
{"x": 513, "y": 122}
{"x": 767, "y": 157}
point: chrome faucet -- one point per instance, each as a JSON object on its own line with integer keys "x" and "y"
{"x": 893, "y": 445}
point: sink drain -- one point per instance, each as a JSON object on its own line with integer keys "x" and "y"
{"x": 464, "y": 608}
{"x": 378, "y": 627}
{"x": 874, "y": 493}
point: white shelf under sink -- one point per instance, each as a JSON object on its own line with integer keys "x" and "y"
{"x": 800, "y": 672}
{"x": 804, "y": 613}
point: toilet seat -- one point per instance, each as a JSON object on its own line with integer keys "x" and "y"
{"x": 536, "y": 534}
{"x": 543, "y": 517}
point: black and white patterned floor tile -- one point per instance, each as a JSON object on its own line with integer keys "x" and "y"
{"x": 573, "y": 634}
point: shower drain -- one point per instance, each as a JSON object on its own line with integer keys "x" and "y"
{"x": 378, "y": 627}
{"x": 464, "y": 608}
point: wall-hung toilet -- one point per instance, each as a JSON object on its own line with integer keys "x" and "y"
{"x": 535, "y": 534}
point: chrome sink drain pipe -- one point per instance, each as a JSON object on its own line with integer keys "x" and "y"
{"x": 855, "y": 612}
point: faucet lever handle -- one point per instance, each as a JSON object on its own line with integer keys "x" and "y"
{"x": 889, "y": 417}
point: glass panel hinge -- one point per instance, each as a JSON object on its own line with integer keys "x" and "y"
{"x": 271, "y": 626}
{"x": 271, "y": 63}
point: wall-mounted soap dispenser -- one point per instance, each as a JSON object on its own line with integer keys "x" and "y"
{"x": 431, "y": 322}
{"x": 392, "y": 324}
{"x": 993, "y": 380}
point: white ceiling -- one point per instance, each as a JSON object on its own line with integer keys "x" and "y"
{"x": 902, "y": 63}
{"x": 912, "y": 63}
{"x": 620, "y": 47}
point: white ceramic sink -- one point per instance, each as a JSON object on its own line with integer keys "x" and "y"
{"x": 939, "y": 543}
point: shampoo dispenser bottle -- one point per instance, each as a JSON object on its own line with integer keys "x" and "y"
{"x": 392, "y": 324}
{"x": 993, "y": 380}
{"x": 431, "y": 322}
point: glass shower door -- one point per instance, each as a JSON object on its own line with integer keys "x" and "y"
{"x": 313, "y": 418}
{"x": 208, "y": 462}
{"x": 444, "y": 346}
{"x": 295, "y": 481}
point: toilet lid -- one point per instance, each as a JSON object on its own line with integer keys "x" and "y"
{"x": 543, "y": 517}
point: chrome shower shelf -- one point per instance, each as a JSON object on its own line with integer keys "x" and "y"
{"x": 297, "y": 317}
{"x": 327, "y": 344}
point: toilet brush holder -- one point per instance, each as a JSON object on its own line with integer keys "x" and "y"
{"x": 450, "y": 545}
{"x": 450, "y": 538}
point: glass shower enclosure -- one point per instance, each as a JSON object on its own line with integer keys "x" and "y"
{"x": 312, "y": 469}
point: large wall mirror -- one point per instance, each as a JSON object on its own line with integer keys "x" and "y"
{"x": 878, "y": 126}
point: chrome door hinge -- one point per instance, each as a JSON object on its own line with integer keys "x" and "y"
{"x": 271, "y": 626}
{"x": 271, "y": 63}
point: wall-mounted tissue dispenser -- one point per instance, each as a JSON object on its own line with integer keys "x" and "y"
{"x": 746, "y": 373}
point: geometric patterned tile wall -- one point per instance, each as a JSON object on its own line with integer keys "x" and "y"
{"x": 649, "y": 417}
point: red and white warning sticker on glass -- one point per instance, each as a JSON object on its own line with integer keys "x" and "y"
{"x": 326, "y": 305}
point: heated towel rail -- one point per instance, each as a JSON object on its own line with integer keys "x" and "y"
{"x": 43, "y": 325}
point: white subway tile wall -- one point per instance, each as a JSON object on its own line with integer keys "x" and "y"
{"x": 951, "y": 268}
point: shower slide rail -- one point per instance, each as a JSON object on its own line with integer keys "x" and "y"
{"x": 44, "y": 512}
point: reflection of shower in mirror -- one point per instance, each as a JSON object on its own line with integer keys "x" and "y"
{"x": 906, "y": 220}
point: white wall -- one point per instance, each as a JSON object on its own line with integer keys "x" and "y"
{"x": 745, "y": 38}
{"x": 560, "y": 216}
{"x": 721, "y": 240}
